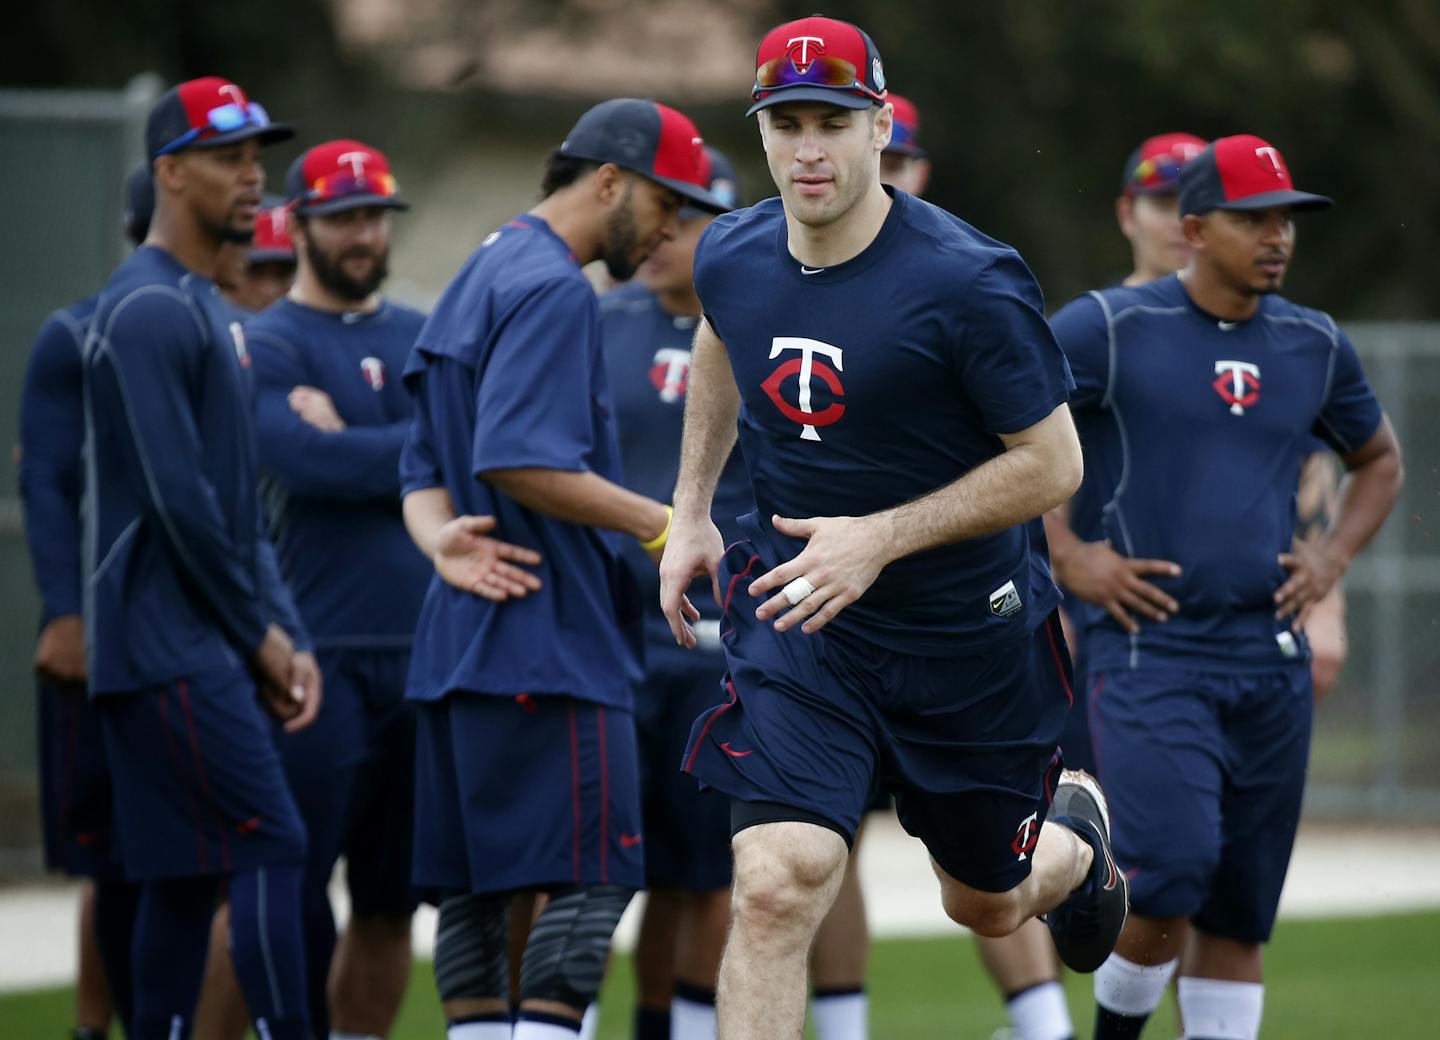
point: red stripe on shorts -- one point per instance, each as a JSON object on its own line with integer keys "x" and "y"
{"x": 604, "y": 800}
{"x": 183, "y": 688}
{"x": 575, "y": 790}
{"x": 201, "y": 859}
{"x": 705, "y": 732}
{"x": 1059, "y": 664}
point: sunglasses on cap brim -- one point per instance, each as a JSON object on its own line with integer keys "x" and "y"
{"x": 339, "y": 185}
{"x": 224, "y": 119}
{"x": 822, "y": 71}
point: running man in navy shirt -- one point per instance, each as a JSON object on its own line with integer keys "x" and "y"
{"x": 526, "y": 773}
{"x": 75, "y": 796}
{"x": 1206, "y": 389}
{"x": 331, "y": 415}
{"x": 186, "y": 616}
{"x": 647, "y": 327}
{"x": 902, "y": 411}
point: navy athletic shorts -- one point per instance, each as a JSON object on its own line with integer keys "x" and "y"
{"x": 353, "y": 774}
{"x": 198, "y": 785}
{"x": 525, "y": 792}
{"x": 1075, "y": 740}
{"x": 967, "y": 744}
{"x": 687, "y": 831}
{"x": 1204, "y": 772}
{"x": 76, "y": 811}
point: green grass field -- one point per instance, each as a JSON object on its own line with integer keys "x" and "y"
{"x": 1362, "y": 977}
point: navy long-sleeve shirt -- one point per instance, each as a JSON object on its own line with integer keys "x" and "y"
{"x": 333, "y": 498}
{"x": 52, "y": 428}
{"x": 180, "y": 577}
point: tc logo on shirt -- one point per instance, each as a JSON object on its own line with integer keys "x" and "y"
{"x": 670, "y": 372}
{"x": 373, "y": 369}
{"x": 807, "y": 367}
{"x": 1238, "y": 384}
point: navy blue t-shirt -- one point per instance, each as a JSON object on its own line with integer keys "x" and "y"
{"x": 507, "y": 373}
{"x": 180, "y": 576}
{"x": 1203, "y": 425}
{"x": 333, "y": 498}
{"x": 876, "y": 381}
{"x": 52, "y": 429}
{"x": 647, "y": 356}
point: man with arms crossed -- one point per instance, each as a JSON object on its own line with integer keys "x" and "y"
{"x": 526, "y": 773}
{"x": 892, "y": 373}
{"x": 1212, "y": 386}
{"x": 187, "y": 619}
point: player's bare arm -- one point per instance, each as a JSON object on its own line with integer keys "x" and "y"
{"x": 60, "y": 653}
{"x": 1040, "y": 468}
{"x": 1315, "y": 504}
{"x": 1098, "y": 574}
{"x": 316, "y": 408}
{"x": 583, "y": 498}
{"x": 463, "y": 552}
{"x": 695, "y": 545}
{"x": 1374, "y": 475}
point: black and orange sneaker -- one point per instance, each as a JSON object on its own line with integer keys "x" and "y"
{"x": 1087, "y": 925}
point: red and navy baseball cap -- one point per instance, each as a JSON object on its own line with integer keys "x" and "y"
{"x": 724, "y": 183}
{"x": 341, "y": 175}
{"x": 650, "y": 139}
{"x": 204, "y": 113}
{"x": 818, "y": 59}
{"x": 1241, "y": 172}
{"x": 905, "y": 137}
{"x": 1154, "y": 168}
{"x": 272, "y": 243}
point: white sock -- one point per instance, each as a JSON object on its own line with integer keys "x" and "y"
{"x": 478, "y": 1031}
{"x": 1127, "y": 988}
{"x": 691, "y": 1019}
{"x": 1219, "y": 1010}
{"x": 525, "y": 1029}
{"x": 841, "y": 1016}
{"x": 1040, "y": 1013}
{"x": 335, "y": 1034}
{"x": 591, "y": 1021}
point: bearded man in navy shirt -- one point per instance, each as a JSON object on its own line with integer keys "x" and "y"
{"x": 1205, "y": 391}
{"x": 902, "y": 412}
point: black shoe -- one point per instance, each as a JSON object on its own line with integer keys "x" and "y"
{"x": 1086, "y": 926}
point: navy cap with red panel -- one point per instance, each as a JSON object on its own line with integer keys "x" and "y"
{"x": 340, "y": 175}
{"x": 205, "y": 113}
{"x": 1243, "y": 172}
{"x": 905, "y": 133}
{"x": 1154, "y": 168}
{"x": 648, "y": 138}
{"x": 272, "y": 243}
{"x": 724, "y": 184}
{"x": 818, "y": 59}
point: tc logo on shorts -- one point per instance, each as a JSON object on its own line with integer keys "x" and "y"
{"x": 237, "y": 333}
{"x": 373, "y": 369}
{"x": 1238, "y": 384}
{"x": 1026, "y": 837}
{"x": 806, "y": 366}
{"x": 1005, "y": 600}
{"x": 670, "y": 372}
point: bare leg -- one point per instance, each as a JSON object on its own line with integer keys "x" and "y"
{"x": 703, "y": 926}
{"x": 1211, "y": 957}
{"x": 1024, "y": 958}
{"x": 786, "y": 877}
{"x": 1060, "y": 864}
{"x": 842, "y": 945}
{"x": 1152, "y": 940}
{"x": 655, "y": 949}
{"x": 93, "y": 1006}
{"x": 369, "y": 974}
{"x": 221, "y": 1014}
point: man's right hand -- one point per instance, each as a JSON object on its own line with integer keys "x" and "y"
{"x": 60, "y": 653}
{"x": 1098, "y": 574}
{"x": 693, "y": 548}
{"x": 471, "y": 561}
{"x": 273, "y": 658}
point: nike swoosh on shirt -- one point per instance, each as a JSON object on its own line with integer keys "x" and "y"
{"x": 1226, "y": 326}
{"x": 810, "y": 270}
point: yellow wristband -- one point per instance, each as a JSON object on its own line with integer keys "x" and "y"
{"x": 658, "y": 542}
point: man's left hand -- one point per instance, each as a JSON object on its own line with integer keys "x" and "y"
{"x": 844, "y": 556}
{"x": 1313, "y": 573}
